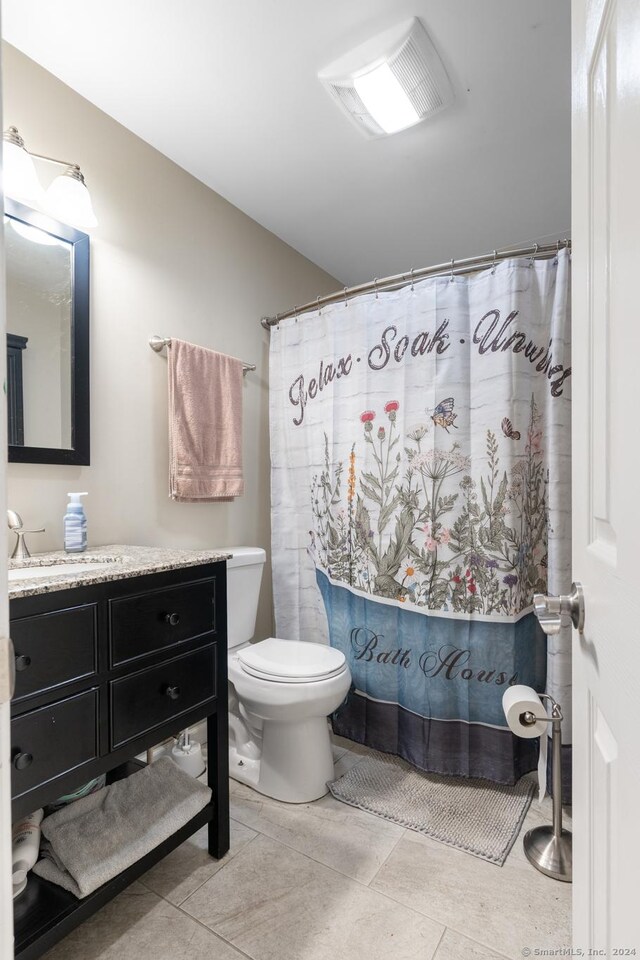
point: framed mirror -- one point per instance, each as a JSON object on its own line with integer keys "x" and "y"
{"x": 47, "y": 268}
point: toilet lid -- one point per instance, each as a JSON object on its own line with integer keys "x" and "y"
{"x": 291, "y": 660}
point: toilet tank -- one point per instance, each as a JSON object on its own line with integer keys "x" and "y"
{"x": 244, "y": 573}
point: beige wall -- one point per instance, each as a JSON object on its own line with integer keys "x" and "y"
{"x": 170, "y": 257}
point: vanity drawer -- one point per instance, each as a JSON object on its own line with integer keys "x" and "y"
{"x": 152, "y": 697}
{"x": 53, "y": 740}
{"x": 54, "y": 648}
{"x": 157, "y": 619}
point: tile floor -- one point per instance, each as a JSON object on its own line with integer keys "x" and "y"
{"x": 325, "y": 881}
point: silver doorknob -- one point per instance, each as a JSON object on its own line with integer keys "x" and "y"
{"x": 550, "y": 610}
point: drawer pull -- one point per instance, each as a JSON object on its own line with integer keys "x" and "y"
{"x": 22, "y": 662}
{"x": 22, "y": 760}
{"x": 173, "y": 692}
{"x": 173, "y": 619}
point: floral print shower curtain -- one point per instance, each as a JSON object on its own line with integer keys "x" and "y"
{"x": 420, "y": 497}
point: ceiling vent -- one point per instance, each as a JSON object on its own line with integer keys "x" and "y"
{"x": 391, "y": 82}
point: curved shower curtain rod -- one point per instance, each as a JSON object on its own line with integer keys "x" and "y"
{"x": 454, "y": 268}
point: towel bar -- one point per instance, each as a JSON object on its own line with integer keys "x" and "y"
{"x": 158, "y": 343}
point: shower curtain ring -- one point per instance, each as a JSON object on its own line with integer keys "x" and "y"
{"x": 295, "y": 310}
{"x": 451, "y": 277}
{"x": 375, "y": 286}
{"x": 411, "y": 279}
{"x": 534, "y": 254}
{"x": 346, "y": 300}
{"x": 318, "y": 302}
{"x": 493, "y": 269}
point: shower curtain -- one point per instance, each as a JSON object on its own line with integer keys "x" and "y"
{"x": 420, "y": 444}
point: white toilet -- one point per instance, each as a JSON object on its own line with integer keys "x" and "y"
{"x": 280, "y": 695}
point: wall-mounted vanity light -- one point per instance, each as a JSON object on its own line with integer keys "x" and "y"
{"x": 67, "y": 198}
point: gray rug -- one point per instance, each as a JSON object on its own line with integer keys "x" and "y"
{"x": 477, "y": 816}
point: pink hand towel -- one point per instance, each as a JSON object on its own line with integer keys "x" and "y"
{"x": 205, "y": 424}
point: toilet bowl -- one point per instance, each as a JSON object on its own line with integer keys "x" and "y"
{"x": 281, "y": 693}
{"x": 284, "y": 750}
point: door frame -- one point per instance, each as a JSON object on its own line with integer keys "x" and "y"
{"x": 6, "y": 890}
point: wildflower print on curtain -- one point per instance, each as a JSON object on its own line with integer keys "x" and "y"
{"x": 421, "y": 496}
{"x": 457, "y": 545}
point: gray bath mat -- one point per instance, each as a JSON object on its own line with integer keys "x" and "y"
{"x": 477, "y": 816}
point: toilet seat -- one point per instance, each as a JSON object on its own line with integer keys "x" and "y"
{"x": 291, "y": 661}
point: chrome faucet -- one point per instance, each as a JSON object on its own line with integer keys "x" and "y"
{"x": 20, "y": 551}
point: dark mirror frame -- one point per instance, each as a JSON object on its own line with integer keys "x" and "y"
{"x": 79, "y": 454}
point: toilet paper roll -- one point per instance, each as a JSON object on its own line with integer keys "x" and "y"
{"x": 516, "y": 701}
{"x": 520, "y": 699}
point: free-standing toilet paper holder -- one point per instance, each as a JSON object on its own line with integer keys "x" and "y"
{"x": 548, "y": 847}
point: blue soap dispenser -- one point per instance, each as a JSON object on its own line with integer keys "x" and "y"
{"x": 75, "y": 525}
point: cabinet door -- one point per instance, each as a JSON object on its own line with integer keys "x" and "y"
{"x": 153, "y": 697}
{"x": 55, "y": 648}
{"x": 53, "y": 740}
{"x": 159, "y": 619}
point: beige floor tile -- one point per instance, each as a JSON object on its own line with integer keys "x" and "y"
{"x": 546, "y": 807}
{"x": 277, "y": 904}
{"x": 350, "y": 745}
{"x": 338, "y": 748}
{"x": 346, "y": 761}
{"x": 345, "y": 838}
{"x": 454, "y": 946}
{"x": 189, "y": 865}
{"x": 138, "y": 925}
{"x": 506, "y": 908}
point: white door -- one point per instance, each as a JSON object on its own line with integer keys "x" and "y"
{"x": 606, "y": 462}
{"x": 6, "y": 902}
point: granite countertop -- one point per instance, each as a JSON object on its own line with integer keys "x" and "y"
{"x": 99, "y": 564}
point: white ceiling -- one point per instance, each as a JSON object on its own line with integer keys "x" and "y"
{"x": 229, "y": 91}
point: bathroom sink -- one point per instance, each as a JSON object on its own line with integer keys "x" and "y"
{"x": 41, "y": 571}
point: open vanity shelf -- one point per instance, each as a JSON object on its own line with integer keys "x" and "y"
{"x": 45, "y": 912}
{"x": 105, "y": 671}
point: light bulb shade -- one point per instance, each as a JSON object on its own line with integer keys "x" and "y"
{"x": 69, "y": 201}
{"x": 391, "y": 82}
{"x": 20, "y": 178}
{"x": 34, "y": 234}
{"x": 385, "y": 99}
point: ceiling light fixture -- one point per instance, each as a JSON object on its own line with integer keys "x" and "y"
{"x": 67, "y": 198}
{"x": 391, "y": 82}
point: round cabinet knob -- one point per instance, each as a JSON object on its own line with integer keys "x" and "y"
{"x": 173, "y": 692}
{"x": 22, "y": 760}
{"x": 22, "y": 662}
{"x": 173, "y": 619}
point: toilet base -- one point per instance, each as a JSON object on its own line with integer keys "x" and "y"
{"x": 243, "y": 769}
{"x": 296, "y": 761}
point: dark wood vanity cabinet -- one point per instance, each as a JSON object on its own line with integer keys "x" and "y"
{"x": 103, "y": 672}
